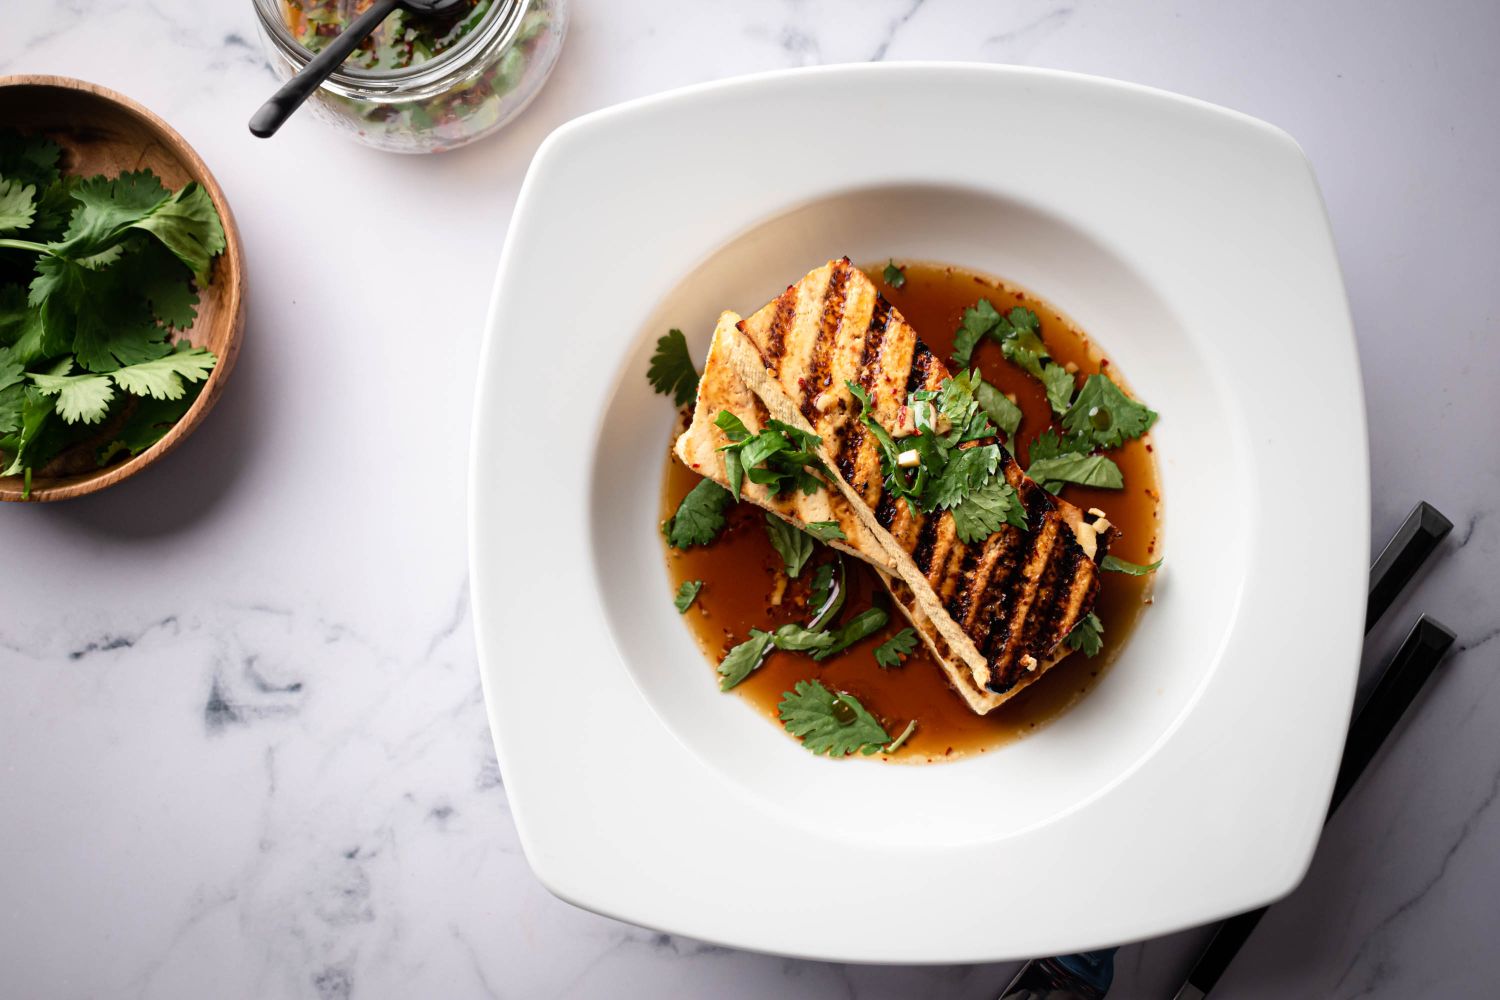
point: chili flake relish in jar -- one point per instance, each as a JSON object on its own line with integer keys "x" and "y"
{"x": 421, "y": 84}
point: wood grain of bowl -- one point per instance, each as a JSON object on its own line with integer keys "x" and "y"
{"x": 102, "y": 132}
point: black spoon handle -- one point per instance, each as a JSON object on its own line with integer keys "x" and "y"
{"x": 1402, "y": 556}
{"x": 274, "y": 113}
{"x": 1413, "y": 664}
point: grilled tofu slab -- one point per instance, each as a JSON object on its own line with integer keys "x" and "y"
{"x": 1003, "y": 605}
{"x": 721, "y": 388}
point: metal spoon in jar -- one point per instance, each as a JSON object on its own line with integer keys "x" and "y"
{"x": 274, "y": 113}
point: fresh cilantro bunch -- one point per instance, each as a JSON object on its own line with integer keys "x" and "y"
{"x": 957, "y": 468}
{"x": 96, "y": 275}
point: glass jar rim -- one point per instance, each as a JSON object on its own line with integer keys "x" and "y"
{"x": 496, "y": 31}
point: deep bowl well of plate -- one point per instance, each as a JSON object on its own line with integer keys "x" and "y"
{"x": 1192, "y": 782}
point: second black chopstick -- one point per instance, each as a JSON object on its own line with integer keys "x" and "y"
{"x": 1413, "y": 664}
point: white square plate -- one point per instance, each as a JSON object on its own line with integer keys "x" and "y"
{"x": 1191, "y": 242}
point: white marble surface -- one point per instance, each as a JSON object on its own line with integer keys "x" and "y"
{"x": 242, "y": 746}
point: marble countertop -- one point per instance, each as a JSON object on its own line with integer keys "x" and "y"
{"x": 244, "y": 748}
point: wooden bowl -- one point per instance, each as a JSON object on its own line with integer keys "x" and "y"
{"x": 102, "y": 132}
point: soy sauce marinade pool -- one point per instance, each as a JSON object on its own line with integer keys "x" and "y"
{"x": 743, "y": 576}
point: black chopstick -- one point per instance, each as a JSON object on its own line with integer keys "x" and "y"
{"x": 1403, "y": 555}
{"x": 1413, "y": 664}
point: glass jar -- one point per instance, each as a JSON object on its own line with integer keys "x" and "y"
{"x": 462, "y": 93}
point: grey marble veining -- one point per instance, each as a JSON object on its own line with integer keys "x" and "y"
{"x": 244, "y": 750}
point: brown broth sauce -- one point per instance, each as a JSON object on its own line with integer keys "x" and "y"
{"x": 744, "y": 585}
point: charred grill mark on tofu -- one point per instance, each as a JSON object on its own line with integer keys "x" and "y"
{"x": 921, "y": 553}
{"x": 1054, "y": 597}
{"x": 853, "y": 441}
{"x": 819, "y": 365}
{"x": 781, "y": 322}
{"x": 886, "y": 512}
{"x": 921, "y": 364}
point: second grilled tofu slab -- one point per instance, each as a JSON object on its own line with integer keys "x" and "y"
{"x": 1003, "y": 605}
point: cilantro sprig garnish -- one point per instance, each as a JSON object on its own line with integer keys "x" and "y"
{"x": 826, "y": 531}
{"x": 700, "y": 515}
{"x": 95, "y": 274}
{"x": 793, "y": 545}
{"x": 897, "y": 648}
{"x": 671, "y": 372}
{"x": 835, "y": 724}
{"x": 781, "y": 457}
{"x": 957, "y": 469}
{"x": 1087, "y": 636}
{"x": 862, "y": 625}
{"x": 1019, "y": 334}
{"x": 743, "y": 659}
{"x": 686, "y": 595}
{"x": 1107, "y": 416}
{"x": 1114, "y": 564}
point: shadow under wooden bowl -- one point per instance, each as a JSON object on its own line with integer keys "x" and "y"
{"x": 102, "y": 132}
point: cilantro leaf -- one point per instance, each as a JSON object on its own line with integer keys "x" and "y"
{"x": 12, "y": 399}
{"x": 671, "y": 372}
{"x": 829, "y": 723}
{"x": 778, "y": 457}
{"x": 17, "y": 205}
{"x": 826, "y": 531}
{"x": 1059, "y": 383}
{"x": 957, "y": 401}
{"x": 794, "y": 547}
{"x": 162, "y": 378}
{"x": 12, "y": 372}
{"x": 1085, "y": 470}
{"x": 188, "y": 225}
{"x": 1049, "y": 444}
{"x": 162, "y": 280}
{"x": 895, "y": 477}
{"x": 742, "y": 660}
{"x": 1114, "y": 564}
{"x": 700, "y": 515}
{"x": 103, "y": 346}
{"x": 733, "y": 427}
{"x": 894, "y": 276}
{"x": 967, "y": 472}
{"x": 83, "y": 398}
{"x": 895, "y": 649}
{"x": 978, "y": 320}
{"x": 999, "y": 408}
{"x": 1087, "y": 635}
{"x": 31, "y": 159}
{"x": 686, "y": 595}
{"x": 734, "y": 471}
{"x": 31, "y": 446}
{"x": 986, "y": 509}
{"x": 107, "y": 208}
{"x": 1106, "y": 415}
{"x": 864, "y": 624}
{"x": 798, "y": 639}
